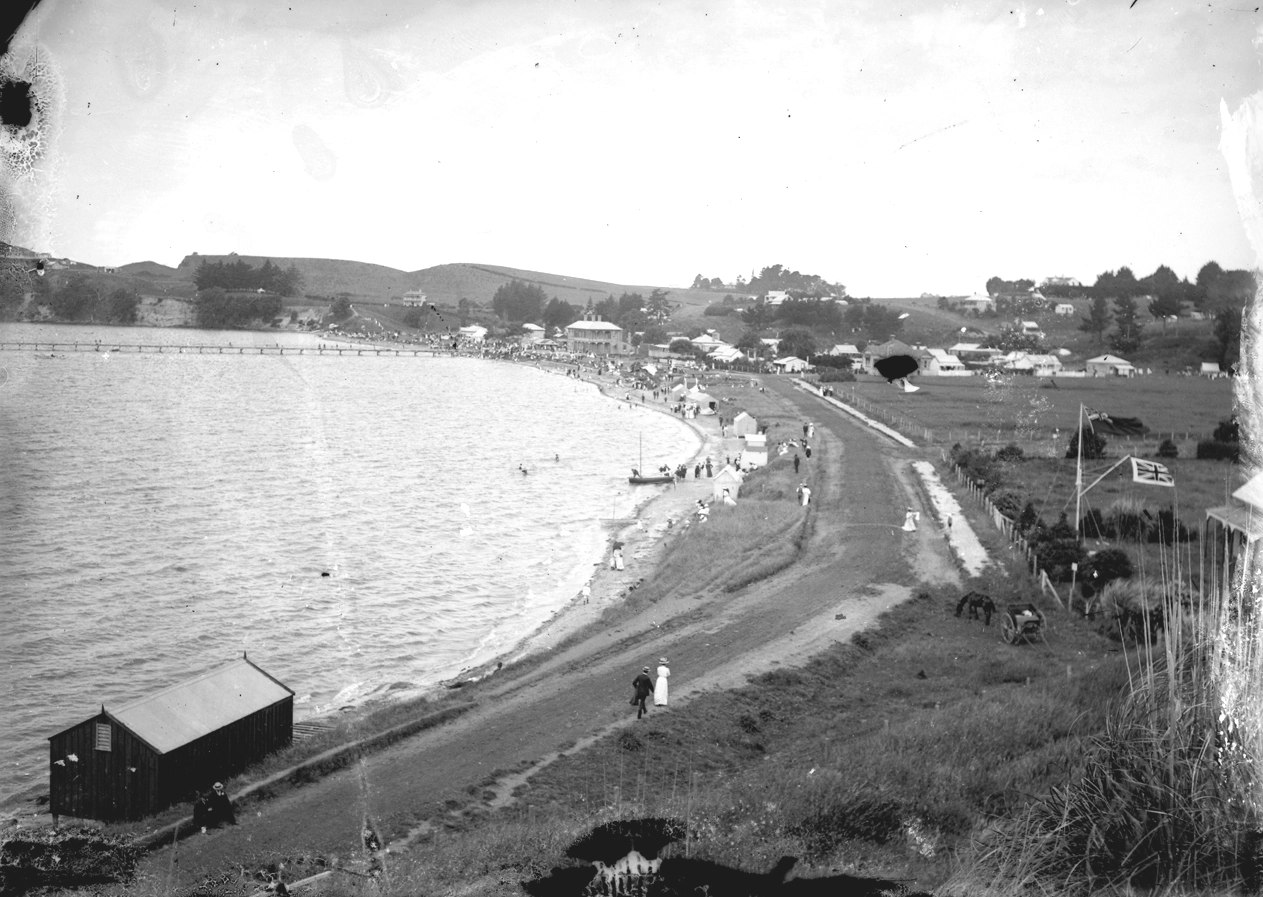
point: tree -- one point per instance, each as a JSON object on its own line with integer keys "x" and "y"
{"x": 758, "y": 315}
{"x": 559, "y": 314}
{"x": 658, "y": 307}
{"x": 464, "y": 309}
{"x": 517, "y": 301}
{"x": 1165, "y": 305}
{"x": 750, "y": 343}
{"x": 797, "y": 341}
{"x": 76, "y": 298}
{"x": 1208, "y": 274}
{"x": 1098, "y": 319}
{"x": 700, "y": 283}
{"x": 1016, "y": 341}
{"x": 1127, "y": 337}
{"x": 341, "y": 307}
{"x": 682, "y": 346}
{"x": 122, "y": 306}
{"x": 1232, "y": 289}
{"x": 1228, "y": 336}
{"x": 655, "y": 335}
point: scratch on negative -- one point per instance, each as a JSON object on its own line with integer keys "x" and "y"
{"x": 932, "y": 133}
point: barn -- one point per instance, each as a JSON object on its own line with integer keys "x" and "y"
{"x": 137, "y": 759}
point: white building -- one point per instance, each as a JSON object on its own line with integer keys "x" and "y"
{"x": 790, "y": 365}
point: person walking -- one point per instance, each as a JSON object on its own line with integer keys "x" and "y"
{"x": 660, "y": 687}
{"x": 797, "y": 460}
{"x": 644, "y": 688}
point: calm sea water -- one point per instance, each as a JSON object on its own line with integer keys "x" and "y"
{"x": 159, "y": 514}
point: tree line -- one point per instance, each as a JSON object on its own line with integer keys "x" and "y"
{"x": 776, "y": 277}
{"x": 1214, "y": 289}
{"x": 240, "y": 275}
{"x": 518, "y": 302}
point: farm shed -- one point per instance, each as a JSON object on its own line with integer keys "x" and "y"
{"x": 138, "y": 759}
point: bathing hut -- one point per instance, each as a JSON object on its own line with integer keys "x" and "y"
{"x": 134, "y": 760}
{"x": 726, "y": 479}
{"x": 1229, "y": 537}
{"x": 755, "y": 451}
{"x": 743, "y": 424}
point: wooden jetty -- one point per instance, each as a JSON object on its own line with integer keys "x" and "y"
{"x": 275, "y": 349}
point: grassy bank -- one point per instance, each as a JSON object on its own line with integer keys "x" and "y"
{"x": 882, "y": 757}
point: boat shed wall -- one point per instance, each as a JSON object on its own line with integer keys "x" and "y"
{"x": 90, "y": 783}
{"x": 225, "y": 752}
{"x": 131, "y": 780}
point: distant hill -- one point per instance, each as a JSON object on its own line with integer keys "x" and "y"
{"x": 148, "y": 269}
{"x": 442, "y": 284}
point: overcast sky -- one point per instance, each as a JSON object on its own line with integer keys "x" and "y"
{"x": 895, "y": 147}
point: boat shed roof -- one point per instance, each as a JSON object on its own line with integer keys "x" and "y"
{"x": 185, "y": 712}
{"x": 1242, "y": 519}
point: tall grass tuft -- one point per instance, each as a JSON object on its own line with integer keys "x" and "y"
{"x": 1168, "y": 795}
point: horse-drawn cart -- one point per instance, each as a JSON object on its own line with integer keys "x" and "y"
{"x": 1022, "y": 622}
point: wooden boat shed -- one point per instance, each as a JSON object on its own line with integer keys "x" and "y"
{"x": 140, "y": 758}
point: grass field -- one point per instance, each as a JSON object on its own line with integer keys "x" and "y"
{"x": 1027, "y": 410}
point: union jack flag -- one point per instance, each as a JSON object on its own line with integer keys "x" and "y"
{"x": 1151, "y": 472}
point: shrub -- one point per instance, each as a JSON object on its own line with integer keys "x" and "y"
{"x": 1010, "y": 452}
{"x": 1168, "y": 449}
{"x": 979, "y": 467}
{"x": 833, "y": 375}
{"x": 1093, "y": 445}
{"x": 1105, "y": 566}
{"x": 1214, "y": 450}
{"x": 1008, "y": 503}
{"x": 1029, "y": 520}
{"x": 1227, "y": 431}
{"x": 1168, "y": 530}
{"x": 716, "y": 310}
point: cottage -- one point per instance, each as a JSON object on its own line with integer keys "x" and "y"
{"x": 976, "y": 302}
{"x": 1031, "y": 363}
{"x": 973, "y": 355}
{"x": 593, "y": 337}
{"x": 790, "y": 365}
{"x": 846, "y": 350}
{"x": 873, "y": 354}
{"x": 726, "y": 354}
{"x": 743, "y": 424}
{"x": 137, "y": 759}
{"x": 939, "y": 363}
{"x": 1063, "y": 308}
{"x": 775, "y": 297}
{"x": 532, "y": 333}
{"x": 1210, "y": 369}
{"x": 1109, "y": 366}
{"x": 414, "y": 298}
{"x": 728, "y": 479}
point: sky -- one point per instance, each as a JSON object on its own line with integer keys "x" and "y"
{"x": 894, "y": 147}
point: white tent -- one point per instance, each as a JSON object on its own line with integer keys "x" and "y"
{"x": 743, "y": 424}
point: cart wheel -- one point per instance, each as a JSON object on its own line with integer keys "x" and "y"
{"x": 1008, "y": 629}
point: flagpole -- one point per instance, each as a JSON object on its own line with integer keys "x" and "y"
{"x": 1078, "y": 474}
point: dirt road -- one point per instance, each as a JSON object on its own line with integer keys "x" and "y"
{"x": 857, "y": 563}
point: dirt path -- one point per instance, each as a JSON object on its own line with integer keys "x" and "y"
{"x": 856, "y": 565}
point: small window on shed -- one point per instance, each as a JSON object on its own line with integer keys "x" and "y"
{"x": 102, "y": 736}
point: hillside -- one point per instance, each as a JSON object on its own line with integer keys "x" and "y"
{"x": 442, "y": 284}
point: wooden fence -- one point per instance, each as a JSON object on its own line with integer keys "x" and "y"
{"x": 1008, "y": 529}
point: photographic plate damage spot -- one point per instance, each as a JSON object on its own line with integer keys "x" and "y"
{"x": 318, "y": 159}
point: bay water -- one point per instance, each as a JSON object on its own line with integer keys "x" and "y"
{"x": 162, "y": 513}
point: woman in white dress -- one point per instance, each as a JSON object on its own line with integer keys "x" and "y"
{"x": 660, "y": 687}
